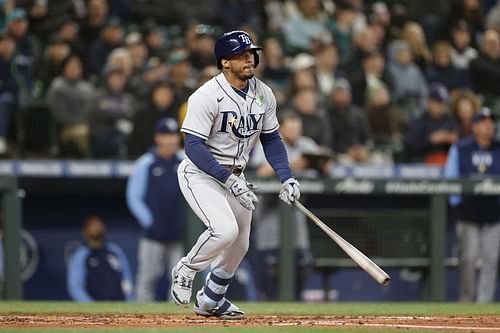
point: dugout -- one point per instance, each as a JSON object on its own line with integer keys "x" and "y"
{"x": 396, "y": 220}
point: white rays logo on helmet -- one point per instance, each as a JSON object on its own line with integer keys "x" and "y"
{"x": 245, "y": 39}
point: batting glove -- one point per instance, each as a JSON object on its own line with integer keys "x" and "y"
{"x": 290, "y": 191}
{"x": 242, "y": 191}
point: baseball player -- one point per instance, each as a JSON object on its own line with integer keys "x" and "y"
{"x": 154, "y": 198}
{"x": 225, "y": 119}
{"x": 478, "y": 220}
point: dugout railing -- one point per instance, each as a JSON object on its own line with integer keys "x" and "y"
{"x": 10, "y": 228}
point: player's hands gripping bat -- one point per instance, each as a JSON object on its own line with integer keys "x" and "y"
{"x": 290, "y": 191}
{"x": 241, "y": 189}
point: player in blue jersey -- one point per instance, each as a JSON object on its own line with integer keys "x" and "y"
{"x": 98, "y": 270}
{"x": 154, "y": 198}
{"x": 478, "y": 225}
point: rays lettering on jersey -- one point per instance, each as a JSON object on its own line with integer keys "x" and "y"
{"x": 242, "y": 127}
{"x": 482, "y": 160}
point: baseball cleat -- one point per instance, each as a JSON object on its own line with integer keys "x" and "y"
{"x": 182, "y": 285}
{"x": 224, "y": 309}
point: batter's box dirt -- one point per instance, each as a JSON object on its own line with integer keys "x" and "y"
{"x": 451, "y": 323}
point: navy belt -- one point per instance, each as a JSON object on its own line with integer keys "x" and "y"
{"x": 235, "y": 169}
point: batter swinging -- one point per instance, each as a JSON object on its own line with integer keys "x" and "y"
{"x": 225, "y": 119}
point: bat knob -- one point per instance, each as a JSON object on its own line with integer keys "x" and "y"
{"x": 386, "y": 281}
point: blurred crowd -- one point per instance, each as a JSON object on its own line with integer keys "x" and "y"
{"x": 371, "y": 81}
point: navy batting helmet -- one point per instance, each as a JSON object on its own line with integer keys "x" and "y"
{"x": 232, "y": 43}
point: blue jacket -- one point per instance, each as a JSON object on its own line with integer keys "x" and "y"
{"x": 14, "y": 75}
{"x": 154, "y": 197}
{"x": 99, "y": 274}
{"x": 419, "y": 132}
{"x": 467, "y": 159}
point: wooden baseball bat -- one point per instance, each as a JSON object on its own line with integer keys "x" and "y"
{"x": 356, "y": 255}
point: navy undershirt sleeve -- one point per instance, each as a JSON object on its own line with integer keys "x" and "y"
{"x": 198, "y": 153}
{"x": 275, "y": 152}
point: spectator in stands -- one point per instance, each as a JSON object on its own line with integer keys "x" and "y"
{"x": 351, "y": 134}
{"x": 176, "y": 12}
{"x": 154, "y": 198}
{"x": 407, "y": 82}
{"x": 420, "y": 53}
{"x": 464, "y": 104}
{"x": 98, "y": 270}
{"x": 180, "y": 72}
{"x": 154, "y": 71}
{"x": 478, "y": 223}
{"x": 155, "y": 39}
{"x": 138, "y": 51}
{"x": 386, "y": 122}
{"x": 121, "y": 58}
{"x": 68, "y": 32}
{"x": 371, "y": 75}
{"x": 314, "y": 117}
{"x": 303, "y": 25}
{"x": 341, "y": 27}
{"x": 111, "y": 37}
{"x": 5, "y": 7}
{"x": 9, "y": 87}
{"x": 326, "y": 69}
{"x": 485, "y": 69}
{"x": 70, "y": 99}
{"x": 111, "y": 115}
{"x": 267, "y": 219}
{"x": 492, "y": 20}
{"x": 162, "y": 103}
{"x": 463, "y": 53}
{"x": 380, "y": 13}
{"x": 364, "y": 41}
{"x": 239, "y": 13}
{"x": 56, "y": 51}
{"x": 303, "y": 76}
{"x": 27, "y": 49}
{"x": 275, "y": 72}
{"x": 399, "y": 17}
{"x": 45, "y": 16}
{"x": 202, "y": 52}
{"x": 121, "y": 9}
{"x": 380, "y": 20}
{"x": 91, "y": 26}
{"x": 431, "y": 16}
{"x": 469, "y": 11}
{"x": 442, "y": 69}
{"x": 430, "y": 136}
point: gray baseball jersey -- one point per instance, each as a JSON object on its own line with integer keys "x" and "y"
{"x": 230, "y": 125}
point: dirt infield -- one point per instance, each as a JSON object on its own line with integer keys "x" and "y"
{"x": 451, "y": 323}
